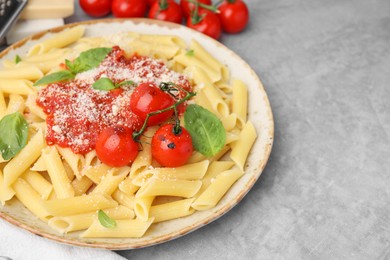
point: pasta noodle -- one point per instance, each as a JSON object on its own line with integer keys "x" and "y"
{"x": 67, "y": 188}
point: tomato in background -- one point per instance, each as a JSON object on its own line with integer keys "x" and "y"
{"x": 234, "y": 15}
{"x": 166, "y": 10}
{"x": 115, "y": 146}
{"x": 96, "y": 8}
{"x": 171, "y": 149}
{"x": 129, "y": 8}
{"x": 205, "y": 22}
{"x": 148, "y": 98}
{"x": 151, "y": 2}
{"x": 187, "y": 6}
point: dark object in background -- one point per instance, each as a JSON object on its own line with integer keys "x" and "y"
{"x": 9, "y": 13}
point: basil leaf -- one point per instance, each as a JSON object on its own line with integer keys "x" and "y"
{"x": 126, "y": 82}
{"x": 13, "y": 135}
{"x": 89, "y": 59}
{"x": 17, "y": 59}
{"x": 104, "y": 84}
{"x": 70, "y": 65}
{"x": 105, "y": 220}
{"x": 190, "y": 53}
{"x": 207, "y": 132}
{"x": 61, "y": 75}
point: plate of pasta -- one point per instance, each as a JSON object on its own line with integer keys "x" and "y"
{"x": 122, "y": 134}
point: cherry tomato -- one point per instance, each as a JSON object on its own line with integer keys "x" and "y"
{"x": 115, "y": 146}
{"x": 187, "y": 7}
{"x": 171, "y": 149}
{"x": 234, "y": 15}
{"x": 148, "y": 98}
{"x": 207, "y": 22}
{"x": 129, "y": 8}
{"x": 151, "y": 2}
{"x": 166, "y": 10}
{"x": 96, "y": 8}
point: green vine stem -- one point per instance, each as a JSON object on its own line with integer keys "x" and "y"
{"x": 212, "y": 8}
{"x": 163, "y": 5}
{"x": 163, "y": 87}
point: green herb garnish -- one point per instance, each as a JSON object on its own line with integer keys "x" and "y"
{"x": 126, "y": 82}
{"x": 207, "y": 132}
{"x": 105, "y": 220}
{"x": 87, "y": 60}
{"x": 190, "y": 53}
{"x": 13, "y": 135}
{"x": 58, "y": 76}
{"x": 107, "y": 84}
{"x": 17, "y": 59}
{"x": 104, "y": 84}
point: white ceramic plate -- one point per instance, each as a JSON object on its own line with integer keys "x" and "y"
{"x": 259, "y": 113}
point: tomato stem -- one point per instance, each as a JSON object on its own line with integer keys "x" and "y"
{"x": 212, "y": 8}
{"x": 163, "y": 4}
{"x": 176, "y": 129}
{"x": 166, "y": 86}
{"x": 195, "y": 18}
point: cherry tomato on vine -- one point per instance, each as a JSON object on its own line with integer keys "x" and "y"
{"x": 129, "y": 8}
{"x": 115, "y": 146}
{"x": 187, "y": 6}
{"x": 166, "y": 10}
{"x": 234, "y": 15}
{"x": 171, "y": 149}
{"x": 96, "y": 8}
{"x": 205, "y": 22}
{"x": 147, "y": 98}
{"x": 151, "y": 2}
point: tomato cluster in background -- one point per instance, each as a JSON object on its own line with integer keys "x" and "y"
{"x": 229, "y": 16}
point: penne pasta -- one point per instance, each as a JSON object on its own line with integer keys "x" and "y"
{"x": 17, "y": 86}
{"x": 239, "y": 99}
{"x": 39, "y": 183}
{"x": 124, "y": 199}
{"x": 178, "y": 188}
{"x": 241, "y": 147}
{"x": 24, "y": 159}
{"x": 66, "y": 224}
{"x": 109, "y": 183}
{"x": 124, "y": 228}
{"x": 58, "y": 176}
{"x": 82, "y": 185}
{"x": 15, "y": 104}
{"x": 142, "y": 207}
{"x": 217, "y": 188}
{"x": 6, "y": 192}
{"x": 144, "y": 157}
{"x": 75, "y": 161}
{"x": 78, "y": 204}
{"x": 172, "y": 210}
{"x": 27, "y": 72}
{"x": 204, "y": 56}
{"x": 58, "y": 40}
{"x": 30, "y": 199}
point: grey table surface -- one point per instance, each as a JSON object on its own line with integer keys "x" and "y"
{"x": 325, "y": 193}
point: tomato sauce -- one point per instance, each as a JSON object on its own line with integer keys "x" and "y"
{"x": 77, "y": 113}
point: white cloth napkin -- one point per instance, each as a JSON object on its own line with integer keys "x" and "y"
{"x": 19, "y": 244}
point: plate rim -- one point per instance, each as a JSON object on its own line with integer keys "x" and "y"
{"x": 199, "y": 223}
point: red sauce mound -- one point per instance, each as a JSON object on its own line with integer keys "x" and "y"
{"x": 77, "y": 113}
